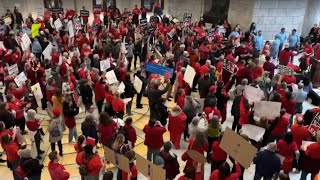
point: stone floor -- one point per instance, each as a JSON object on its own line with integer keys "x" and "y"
{"x": 140, "y": 118}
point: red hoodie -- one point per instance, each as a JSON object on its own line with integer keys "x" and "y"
{"x": 131, "y": 134}
{"x": 154, "y": 136}
{"x": 99, "y": 91}
{"x": 57, "y": 171}
{"x": 177, "y": 122}
{"x": 94, "y": 164}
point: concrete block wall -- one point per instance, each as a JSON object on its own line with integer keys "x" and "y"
{"x": 312, "y": 16}
{"x": 271, "y": 15}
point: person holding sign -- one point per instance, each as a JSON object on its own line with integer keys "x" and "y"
{"x": 133, "y": 175}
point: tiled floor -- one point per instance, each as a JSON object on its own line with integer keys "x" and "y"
{"x": 140, "y": 118}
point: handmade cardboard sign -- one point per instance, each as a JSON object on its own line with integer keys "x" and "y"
{"x": 238, "y": 148}
{"x": 196, "y": 156}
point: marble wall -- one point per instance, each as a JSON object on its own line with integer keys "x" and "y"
{"x": 271, "y": 15}
{"x": 240, "y": 12}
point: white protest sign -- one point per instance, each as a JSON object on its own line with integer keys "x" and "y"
{"x": 137, "y": 84}
{"x": 21, "y": 78}
{"x": 189, "y": 75}
{"x": 253, "y": 94}
{"x": 104, "y": 65}
{"x": 48, "y": 73}
{"x": 36, "y": 89}
{"x": 111, "y": 77}
{"x": 269, "y": 109}
{"x": 13, "y": 69}
{"x": 25, "y": 42}
{"x": 121, "y": 88}
{"x": 253, "y": 132}
{"x": 47, "y": 52}
{"x": 305, "y": 145}
{"x": 58, "y": 24}
{"x": 70, "y": 29}
{"x": 1, "y": 45}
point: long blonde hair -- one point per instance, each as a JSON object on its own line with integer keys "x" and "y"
{"x": 118, "y": 142}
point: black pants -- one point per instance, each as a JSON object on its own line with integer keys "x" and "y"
{"x": 211, "y": 140}
{"x": 215, "y": 165}
{"x": 195, "y": 81}
{"x": 53, "y": 146}
{"x": 186, "y": 131}
{"x": 37, "y": 140}
{"x": 139, "y": 97}
{"x": 99, "y": 105}
{"x": 44, "y": 102}
{"x": 136, "y": 55}
{"x": 120, "y": 114}
{"x": 202, "y": 62}
{"x": 21, "y": 123}
{"x": 129, "y": 63}
{"x": 235, "y": 123}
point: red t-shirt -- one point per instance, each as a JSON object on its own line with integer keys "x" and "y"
{"x": 217, "y": 153}
{"x": 33, "y": 125}
{"x": 107, "y": 132}
{"x": 287, "y": 150}
{"x": 313, "y": 150}
{"x": 300, "y": 133}
{"x": 133, "y": 170}
{"x": 281, "y": 127}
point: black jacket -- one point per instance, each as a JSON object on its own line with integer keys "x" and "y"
{"x": 204, "y": 85}
{"x": 129, "y": 90}
{"x": 154, "y": 95}
{"x": 32, "y": 166}
{"x": 86, "y": 94}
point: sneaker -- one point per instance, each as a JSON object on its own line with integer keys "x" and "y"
{"x": 41, "y": 152}
{"x": 61, "y": 155}
{"x": 2, "y": 161}
{"x": 139, "y": 107}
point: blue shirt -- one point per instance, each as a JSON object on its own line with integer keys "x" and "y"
{"x": 293, "y": 40}
{"x": 258, "y": 41}
{"x": 299, "y": 96}
{"x": 276, "y": 44}
{"x": 282, "y": 37}
{"x": 234, "y": 33}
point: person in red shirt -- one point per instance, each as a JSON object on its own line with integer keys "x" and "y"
{"x": 313, "y": 159}
{"x": 91, "y": 160}
{"x": 289, "y": 79}
{"x": 198, "y": 143}
{"x": 180, "y": 98}
{"x": 245, "y": 113}
{"x": 133, "y": 175}
{"x": 300, "y": 132}
{"x": 34, "y": 126}
{"x": 192, "y": 173}
{"x": 223, "y": 173}
{"x": 17, "y": 109}
{"x": 218, "y": 156}
{"x": 288, "y": 103}
{"x": 211, "y": 111}
{"x": 136, "y": 12}
{"x": 288, "y": 149}
{"x": 118, "y": 105}
{"x": 279, "y": 126}
{"x": 153, "y": 138}
{"x": 57, "y": 170}
{"x": 257, "y": 70}
{"x": 107, "y": 129}
{"x": 203, "y": 53}
{"x": 17, "y": 92}
{"x": 130, "y": 132}
{"x": 177, "y": 125}
{"x": 204, "y": 69}
{"x": 99, "y": 91}
{"x": 11, "y": 148}
{"x": 285, "y": 56}
{"x": 70, "y": 14}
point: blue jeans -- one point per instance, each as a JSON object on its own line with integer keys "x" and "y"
{"x": 73, "y": 133}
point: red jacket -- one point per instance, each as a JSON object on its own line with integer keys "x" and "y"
{"x": 94, "y": 164}
{"x": 288, "y": 105}
{"x": 33, "y": 125}
{"x": 131, "y": 134}
{"x": 18, "y": 92}
{"x": 17, "y": 106}
{"x": 154, "y": 136}
{"x": 177, "y": 123}
{"x": 233, "y": 176}
{"x": 107, "y": 132}
{"x": 197, "y": 68}
{"x": 256, "y": 72}
{"x": 300, "y": 133}
{"x": 203, "y": 50}
{"x": 181, "y": 99}
{"x": 217, "y": 153}
{"x": 99, "y": 91}
{"x": 57, "y": 171}
{"x": 117, "y": 105}
{"x": 281, "y": 127}
{"x": 289, "y": 79}
{"x": 109, "y": 97}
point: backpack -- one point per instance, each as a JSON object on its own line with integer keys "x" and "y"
{"x": 83, "y": 168}
{"x": 55, "y": 131}
{"x": 20, "y": 172}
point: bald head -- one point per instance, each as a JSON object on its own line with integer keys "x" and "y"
{"x": 272, "y": 147}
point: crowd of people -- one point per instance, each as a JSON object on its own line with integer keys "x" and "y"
{"x": 226, "y": 60}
